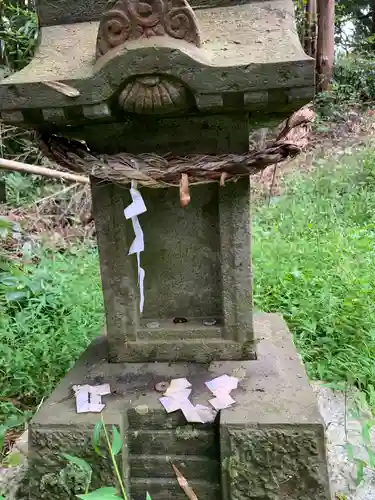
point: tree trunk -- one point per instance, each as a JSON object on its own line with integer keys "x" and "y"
{"x": 373, "y": 19}
{"x": 326, "y": 43}
{"x": 310, "y": 28}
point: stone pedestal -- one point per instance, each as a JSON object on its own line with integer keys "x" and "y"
{"x": 269, "y": 446}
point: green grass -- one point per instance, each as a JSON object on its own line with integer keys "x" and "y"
{"x": 314, "y": 262}
{"x": 40, "y": 342}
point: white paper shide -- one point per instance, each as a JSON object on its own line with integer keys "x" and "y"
{"x": 89, "y": 397}
{"x": 131, "y": 212}
{"x": 176, "y": 397}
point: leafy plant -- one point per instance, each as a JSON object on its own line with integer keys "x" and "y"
{"x": 13, "y": 422}
{"x": 18, "y": 35}
{"x": 17, "y": 283}
{"x": 43, "y": 334}
{"x": 363, "y": 456}
{"x": 353, "y": 86}
{"x": 313, "y": 262}
{"x": 114, "y": 445}
{"x": 22, "y": 189}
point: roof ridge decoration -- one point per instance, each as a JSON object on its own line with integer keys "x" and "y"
{"x": 127, "y": 20}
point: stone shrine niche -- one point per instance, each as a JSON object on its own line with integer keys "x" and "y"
{"x": 195, "y": 308}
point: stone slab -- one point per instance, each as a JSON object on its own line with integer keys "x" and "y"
{"x": 77, "y": 11}
{"x": 270, "y": 445}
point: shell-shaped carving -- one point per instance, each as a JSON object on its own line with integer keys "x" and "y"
{"x": 153, "y": 95}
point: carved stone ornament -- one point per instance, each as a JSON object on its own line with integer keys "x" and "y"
{"x": 153, "y": 94}
{"x": 127, "y": 20}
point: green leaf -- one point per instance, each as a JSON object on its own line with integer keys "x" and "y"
{"x": 371, "y": 457}
{"x": 101, "y": 494}
{"x": 350, "y": 451}
{"x": 366, "y": 433}
{"x": 3, "y": 430}
{"x": 335, "y": 386}
{"x": 16, "y": 296}
{"x": 78, "y": 462}
{"x": 148, "y": 497}
{"x": 96, "y": 437}
{"x": 116, "y": 445}
{"x": 360, "y": 466}
{"x": 5, "y": 227}
{"x": 13, "y": 459}
{"x": 371, "y": 423}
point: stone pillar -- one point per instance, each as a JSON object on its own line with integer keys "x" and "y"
{"x": 197, "y": 259}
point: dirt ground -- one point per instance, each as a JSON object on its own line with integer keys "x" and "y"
{"x": 327, "y": 139}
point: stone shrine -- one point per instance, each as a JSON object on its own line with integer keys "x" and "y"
{"x": 166, "y": 77}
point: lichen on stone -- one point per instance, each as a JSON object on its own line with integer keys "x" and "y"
{"x": 187, "y": 432}
{"x": 274, "y": 464}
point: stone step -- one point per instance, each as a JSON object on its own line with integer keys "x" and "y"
{"x": 159, "y": 419}
{"x": 157, "y": 466}
{"x": 169, "y": 489}
{"x": 178, "y": 441}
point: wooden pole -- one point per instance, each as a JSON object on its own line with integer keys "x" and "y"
{"x": 326, "y": 43}
{"x": 36, "y": 170}
{"x": 310, "y": 28}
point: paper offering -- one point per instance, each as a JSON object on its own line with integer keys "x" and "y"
{"x": 224, "y": 383}
{"x": 136, "y": 208}
{"x": 222, "y": 401}
{"x": 89, "y": 397}
{"x": 177, "y": 385}
{"x": 176, "y": 397}
{"x": 206, "y": 413}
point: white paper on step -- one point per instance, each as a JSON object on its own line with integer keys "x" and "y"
{"x": 222, "y": 384}
{"x": 206, "y": 414}
{"x": 101, "y": 390}
{"x": 174, "y": 402}
{"x": 176, "y": 397}
{"x": 221, "y": 401}
{"x": 176, "y": 385}
{"x": 136, "y": 208}
{"x": 190, "y": 412}
{"x": 89, "y": 398}
{"x": 221, "y": 388}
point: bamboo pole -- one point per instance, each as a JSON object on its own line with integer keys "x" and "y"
{"x": 36, "y": 170}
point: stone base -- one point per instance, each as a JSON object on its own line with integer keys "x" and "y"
{"x": 269, "y": 446}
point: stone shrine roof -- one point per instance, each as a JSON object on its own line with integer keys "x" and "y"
{"x": 249, "y": 51}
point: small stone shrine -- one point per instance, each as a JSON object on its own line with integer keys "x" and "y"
{"x": 126, "y": 83}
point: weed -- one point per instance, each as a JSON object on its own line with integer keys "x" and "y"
{"x": 18, "y": 35}
{"x": 353, "y": 86}
{"x": 313, "y": 259}
{"x": 42, "y": 337}
{"x": 13, "y": 422}
{"x": 113, "y": 442}
{"x": 362, "y": 455}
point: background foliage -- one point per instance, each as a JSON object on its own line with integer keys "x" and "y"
{"x": 18, "y": 36}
